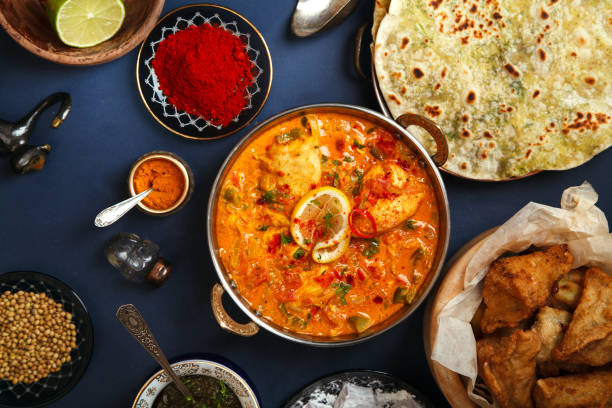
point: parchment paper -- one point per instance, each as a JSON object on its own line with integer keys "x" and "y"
{"x": 578, "y": 222}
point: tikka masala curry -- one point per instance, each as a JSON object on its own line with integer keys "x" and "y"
{"x": 367, "y": 224}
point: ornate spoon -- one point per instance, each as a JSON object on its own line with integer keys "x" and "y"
{"x": 135, "y": 324}
{"x": 111, "y": 214}
{"x": 311, "y": 16}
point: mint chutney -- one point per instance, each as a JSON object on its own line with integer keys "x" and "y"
{"x": 208, "y": 392}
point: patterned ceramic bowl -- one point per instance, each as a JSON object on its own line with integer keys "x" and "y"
{"x": 236, "y": 382}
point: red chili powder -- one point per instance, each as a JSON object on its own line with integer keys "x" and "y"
{"x": 204, "y": 70}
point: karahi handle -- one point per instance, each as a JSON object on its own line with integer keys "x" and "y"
{"x": 409, "y": 119}
{"x": 357, "y": 51}
{"x": 223, "y": 318}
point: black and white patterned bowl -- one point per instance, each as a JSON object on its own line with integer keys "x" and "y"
{"x": 183, "y": 123}
{"x": 57, "y": 384}
{"x": 237, "y": 382}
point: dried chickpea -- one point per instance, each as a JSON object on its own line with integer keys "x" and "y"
{"x": 36, "y": 336}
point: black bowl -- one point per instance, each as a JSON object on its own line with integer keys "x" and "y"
{"x": 57, "y": 384}
{"x": 180, "y": 122}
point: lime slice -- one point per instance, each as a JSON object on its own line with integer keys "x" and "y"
{"x": 85, "y": 23}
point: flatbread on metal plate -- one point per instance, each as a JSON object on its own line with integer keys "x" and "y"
{"x": 517, "y": 86}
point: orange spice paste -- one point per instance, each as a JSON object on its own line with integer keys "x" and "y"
{"x": 167, "y": 180}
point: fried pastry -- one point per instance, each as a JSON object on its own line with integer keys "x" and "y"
{"x": 569, "y": 290}
{"x": 597, "y": 353}
{"x": 586, "y": 339}
{"x": 507, "y": 366}
{"x": 550, "y": 324}
{"x": 516, "y": 286}
{"x": 588, "y": 390}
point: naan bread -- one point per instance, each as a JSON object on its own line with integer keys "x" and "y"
{"x": 380, "y": 11}
{"x": 517, "y": 86}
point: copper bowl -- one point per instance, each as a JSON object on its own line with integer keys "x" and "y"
{"x": 27, "y": 22}
{"x": 182, "y": 166}
{"x": 227, "y": 283}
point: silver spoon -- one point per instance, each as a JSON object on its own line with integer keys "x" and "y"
{"x": 111, "y": 214}
{"x": 311, "y": 16}
{"x": 135, "y": 324}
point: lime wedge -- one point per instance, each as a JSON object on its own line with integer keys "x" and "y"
{"x": 85, "y": 23}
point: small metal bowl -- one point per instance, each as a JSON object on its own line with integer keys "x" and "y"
{"x": 181, "y": 164}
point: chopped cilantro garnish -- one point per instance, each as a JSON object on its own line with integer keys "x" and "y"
{"x": 376, "y": 153}
{"x": 285, "y": 239}
{"x": 358, "y": 174}
{"x": 418, "y": 255}
{"x": 305, "y": 324}
{"x": 324, "y": 159}
{"x": 299, "y": 253}
{"x": 335, "y": 180}
{"x": 341, "y": 290}
{"x": 327, "y": 217}
{"x": 307, "y": 241}
{"x": 283, "y": 309}
{"x": 370, "y": 130}
{"x": 289, "y": 136}
{"x": 263, "y": 228}
{"x": 371, "y": 249}
{"x": 358, "y": 178}
{"x": 316, "y": 202}
{"x": 409, "y": 224}
{"x": 270, "y": 196}
{"x": 348, "y": 159}
{"x": 357, "y": 144}
{"x": 336, "y": 162}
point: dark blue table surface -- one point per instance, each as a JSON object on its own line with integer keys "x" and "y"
{"x": 46, "y": 219}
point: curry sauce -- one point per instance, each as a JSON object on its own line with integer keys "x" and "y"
{"x": 376, "y": 276}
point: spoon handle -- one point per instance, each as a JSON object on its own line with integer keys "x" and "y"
{"x": 111, "y": 214}
{"x": 135, "y": 324}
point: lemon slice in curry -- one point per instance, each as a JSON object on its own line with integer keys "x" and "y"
{"x": 320, "y": 220}
{"x": 330, "y": 253}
